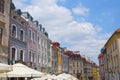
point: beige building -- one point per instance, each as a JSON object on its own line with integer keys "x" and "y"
{"x": 76, "y": 67}
{"x": 4, "y": 30}
{"x": 113, "y": 54}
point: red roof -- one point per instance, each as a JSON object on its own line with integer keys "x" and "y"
{"x": 57, "y": 44}
{"x": 73, "y": 55}
{"x": 118, "y": 30}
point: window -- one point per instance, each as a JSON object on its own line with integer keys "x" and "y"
{"x": 33, "y": 56}
{"x": 22, "y": 22}
{"x": 73, "y": 71}
{"x": 14, "y": 31}
{"x": 21, "y": 35}
{"x": 33, "y": 36}
{"x": 73, "y": 63}
{"x": 1, "y": 30}
{"x": 13, "y": 53}
{"x": 21, "y": 55}
{"x": 115, "y": 44}
{"x": 12, "y": 61}
{"x": 38, "y": 40}
{"x": 77, "y": 64}
{"x": 29, "y": 56}
{"x": 2, "y": 6}
{"x": 30, "y": 37}
{"x": 38, "y": 58}
{"x": 15, "y": 17}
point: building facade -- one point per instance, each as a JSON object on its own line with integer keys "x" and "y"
{"x": 56, "y": 58}
{"x": 103, "y": 64}
{"x": 49, "y": 57}
{"x": 88, "y": 70}
{"x": 102, "y": 67}
{"x": 4, "y": 30}
{"x": 95, "y": 72}
{"x": 65, "y": 61}
{"x": 113, "y": 55}
{"x": 76, "y": 67}
{"x": 31, "y": 40}
{"x": 18, "y": 37}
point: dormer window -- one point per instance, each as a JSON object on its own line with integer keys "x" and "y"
{"x": 14, "y": 17}
{"x": 2, "y": 6}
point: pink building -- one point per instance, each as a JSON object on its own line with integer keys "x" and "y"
{"x": 102, "y": 67}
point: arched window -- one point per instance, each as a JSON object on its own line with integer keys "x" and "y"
{"x": 13, "y": 54}
{"x": 2, "y": 6}
{"x": 1, "y": 32}
{"x": 21, "y": 55}
{"x": 30, "y": 56}
{"x": 21, "y": 35}
{"x": 14, "y": 31}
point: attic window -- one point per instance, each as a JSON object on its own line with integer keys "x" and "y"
{"x": 14, "y": 17}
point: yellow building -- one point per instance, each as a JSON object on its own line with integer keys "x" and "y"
{"x": 113, "y": 56}
{"x": 56, "y": 58}
{"x": 59, "y": 60}
{"x": 95, "y": 72}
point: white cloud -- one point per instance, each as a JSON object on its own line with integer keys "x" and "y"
{"x": 80, "y": 10}
{"x": 61, "y": 26}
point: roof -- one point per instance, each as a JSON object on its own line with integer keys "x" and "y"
{"x": 117, "y": 31}
{"x": 56, "y": 44}
{"x": 73, "y": 55}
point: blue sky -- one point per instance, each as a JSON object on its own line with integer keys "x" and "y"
{"x": 102, "y": 12}
{"x": 79, "y": 25}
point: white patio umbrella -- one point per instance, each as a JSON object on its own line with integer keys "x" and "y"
{"x": 36, "y": 73}
{"x": 73, "y": 78}
{"x": 5, "y": 67}
{"x": 62, "y": 76}
{"x": 20, "y": 70}
{"x": 46, "y": 76}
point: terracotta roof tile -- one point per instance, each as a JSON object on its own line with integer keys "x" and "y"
{"x": 118, "y": 30}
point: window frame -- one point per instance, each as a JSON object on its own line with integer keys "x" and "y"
{"x": 2, "y": 3}
{"x": 14, "y": 53}
{"x": 22, "y": 57}
{"x": 30, "y": 34}
{"x": 12, "y": 31}
{"x": 22, "y": 35}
